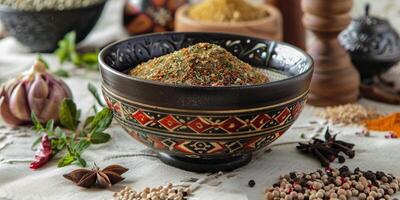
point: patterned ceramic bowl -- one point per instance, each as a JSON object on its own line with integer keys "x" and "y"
{"x": 206, "y": 128}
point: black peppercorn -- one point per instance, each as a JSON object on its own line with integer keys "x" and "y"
{"x": 344, "y": 169}
{"x": 370, "y": 175}
{"x": 252, "y": 183}
{"x": 293, "y": 175}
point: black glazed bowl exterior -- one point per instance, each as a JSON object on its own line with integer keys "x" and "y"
{"x": 204, "y": 122}
{"x": 40, "y": 31}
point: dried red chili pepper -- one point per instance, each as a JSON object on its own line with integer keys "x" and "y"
{"x": 44, "y": 154}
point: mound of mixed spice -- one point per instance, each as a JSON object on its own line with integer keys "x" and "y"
{"x": 226, "y": 11}
{"x": 202, "y": 64}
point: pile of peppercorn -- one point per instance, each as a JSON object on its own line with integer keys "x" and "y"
{"x": 329, "y": 150}
{"x": 334, "y": 184}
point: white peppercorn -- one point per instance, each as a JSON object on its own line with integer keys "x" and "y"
{"x": 362, "y": 196}
{"x": 342, "y": 197}
{"x": 354, "y": 192}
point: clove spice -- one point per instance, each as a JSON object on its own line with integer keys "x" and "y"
{"x": 329, "y": 150}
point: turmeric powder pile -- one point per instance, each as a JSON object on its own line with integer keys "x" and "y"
{"x": 226, "y": 11}
{"x": 386, "y": 123}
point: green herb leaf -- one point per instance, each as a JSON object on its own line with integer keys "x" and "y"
{"x": 88, "y": 121}
{"x": 99, "y": 138}
{"x": 66, "y": 160}
{"x": 67, "y": 52}
{"x": 95, "y": 93}
{"x": 50, "y": 125}
{"x": 81, "y": 146}
{"x": 101, "y": 121}
{"x": 68, "y": 114}
{"x": 35, "y": 143}
{"x": 81, "y": 162}
{"x": 37, "y": 125}
{"x": 41, "y": 59}
{"x": 61, "y": 73}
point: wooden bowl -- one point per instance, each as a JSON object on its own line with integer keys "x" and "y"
{"x": 205, "y": 128}
{"x": 270, "y": 27}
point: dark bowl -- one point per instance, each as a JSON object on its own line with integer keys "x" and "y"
{"x": 205, "y": 128}
{"x": 40, "y": 31}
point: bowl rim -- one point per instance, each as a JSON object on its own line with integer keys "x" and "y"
{"x": 181, "y": 14}
{"x": 104, "y": 66}
{"x": 5, "y": 8}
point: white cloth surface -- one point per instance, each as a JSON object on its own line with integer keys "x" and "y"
{"x": 18, "y": 182}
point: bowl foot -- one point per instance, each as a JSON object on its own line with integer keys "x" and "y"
{"x": 205, "y": 165}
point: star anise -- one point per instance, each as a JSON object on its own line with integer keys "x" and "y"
{"x": 91, "y": 177}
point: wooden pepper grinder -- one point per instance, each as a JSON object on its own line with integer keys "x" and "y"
{"x": 335, "y": 80}
{"x": 293, "y": 29}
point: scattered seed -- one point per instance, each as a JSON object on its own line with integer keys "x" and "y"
{"x": 252, "y": 183}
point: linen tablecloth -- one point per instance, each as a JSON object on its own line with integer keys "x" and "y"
{"x": 17, "y": 181}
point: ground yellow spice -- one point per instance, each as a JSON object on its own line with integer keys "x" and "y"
{"x": 385, "y": 123}
{"x": 226, "y": 11}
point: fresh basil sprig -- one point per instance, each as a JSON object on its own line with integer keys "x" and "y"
{"x": 67, "y": 52}
{"x": 72, "y": 135}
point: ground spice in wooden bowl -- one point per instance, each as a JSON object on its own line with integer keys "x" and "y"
{"x": 202, "y": 64}
{"x": 226, "y": 11}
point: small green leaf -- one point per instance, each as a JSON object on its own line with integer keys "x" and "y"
{"x": 95, "y": 93}
{"x": 101, "y": 121}
{"x": 61, "y": 73}
{"x": 66, "y": 160}
{"x": 68, "y": 114}
{"x": 81, "y": 162}
{"x": 99, "y": 138}
{"x": 58, "y": 131}
{"x": 58, "y": 144}
{"x": 37, "y": 125}
{"x": 90, "y": 58}
{"x": 88, "y": 121}
{"x": 41, "y": 59}
{"x": 50, "y": 125}
{"x": 35, "y": 143}
{"x": 81, "y": 146}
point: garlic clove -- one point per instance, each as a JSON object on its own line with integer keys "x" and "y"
{"x": 52, "y": 104}
{"x": 38, "y": 94}
{"x": 6, "y": 114}
{"x": 18, "y": 103}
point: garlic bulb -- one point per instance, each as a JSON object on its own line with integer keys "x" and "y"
{"x": 34, "y": 91}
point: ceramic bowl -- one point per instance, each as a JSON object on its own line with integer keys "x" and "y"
{"x": 270, "y": 27}
{"x": 206, "y": 128}
{"x": 40, "y": 31}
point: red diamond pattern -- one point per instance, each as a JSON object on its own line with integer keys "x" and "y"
{"x": 170, "y": 123}
{"x": 259, "y": 121}
{"x": 142, "y": 118}
{"x": 296, "y": 109}
{"x": 199, "y": 125}
{"x": 232, "y": 124}
{"x": 283, "y": 116}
